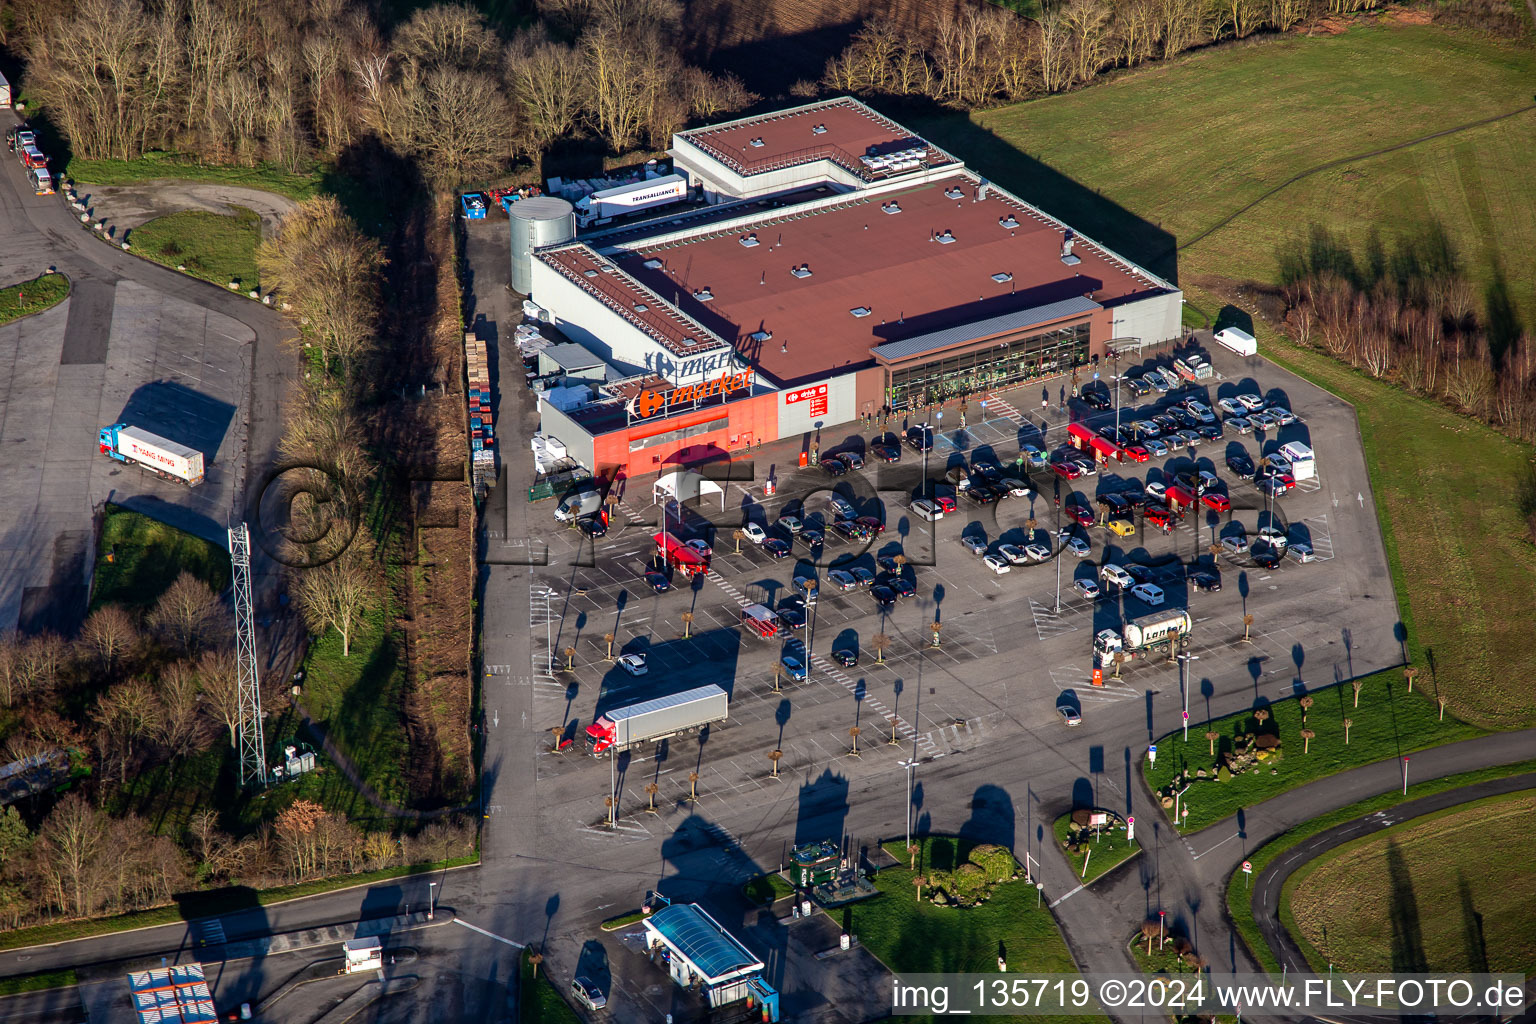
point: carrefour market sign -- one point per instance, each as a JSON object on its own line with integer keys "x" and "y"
{"x": 649, "y": 403}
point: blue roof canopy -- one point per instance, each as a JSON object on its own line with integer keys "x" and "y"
{"x": 696, "y": 936}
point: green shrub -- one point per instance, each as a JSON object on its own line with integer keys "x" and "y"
{"x": 995, "y": 861}
{"x": 968, "y": 884}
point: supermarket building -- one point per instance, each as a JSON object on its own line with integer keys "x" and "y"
{"x": 841, "y": 266}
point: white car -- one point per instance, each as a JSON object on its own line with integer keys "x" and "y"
{"x": 1157, "y": 490}
{"x": 1013, "y": 553}
{"x": 1148, "y": 593}
{"x": 791, "y": 523}
{"x": 1039, "y": 552}
{"x": 1251, "y": 402}
{"x": 925, "y": 509}
{"x": 754, "y": 533}
{"x": 1079, "y": 547}
{"x": 1274, "y": 537}
{"x": 1232, "y": 406}
{"x": 634, "y": 664}
{"x": 1016, "y": 487}
{"x": 997, "y": 563}
{"x": 1116, "y": 575}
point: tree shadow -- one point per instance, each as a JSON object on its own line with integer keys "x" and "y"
{"x": 1403, "y": 913}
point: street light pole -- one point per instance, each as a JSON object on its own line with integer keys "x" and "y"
{"x": 1184, "y": 660}
{"x": 1058, "y": 545}
{"x": 810, "y": 628}
{"x": 910, "y": 765}
{"x": 431, "y": 899}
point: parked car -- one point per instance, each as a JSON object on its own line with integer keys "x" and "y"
{"x": 1278, "y": 484}
{"x": 1120, "y": 527}
{"x": 1211, "y": 432}
{"x": 1080, "y": 515}
{"x": 1148, "y": 593}
{"x": 658, "y": 582}
{"x": 864, "y": 577}
{"x": 885, "y": 597}
{"x": 1068, "y": 470}
{"x": 871, "y": 524}
{"x": 1032, "y": 455}
{"x": 1069, "y": 714}
{"x": 1079, "y": 547}
{"x": 1158, "y": 515}
{"x": 811, "y": 538}
{"x": 886, "y": 452}
{"x": 1038, "y": 552}
{"x": 1231, "y": 406}
{"x": 975, "y": 545}
{"x": 1088, "y": 588}
{"x": 1241, "y": 464}
{"x": 1274, "y": 537}
{"x": 1205, "y": 582}
{"x": 923, "y": 508}
{"x": 776, "y": 547}
{"x": 842, "y": 579}
{"x": 1138, "y": 453}
{"x": 791, "y": 523}
{"x": 853, "y": 459}
{"x": 1138, "y": 573}
{"x": 846, "y": 657}
{"x": 1117, "y": 575}
{"x": 1013, "y": 553}
{"x": 793, "y": 667}
{"x": 834, "y": 467}
{"x": 1263, "y": 420}
{"x": 700, "y": 548}
{"x": 1234, "y": 544}
{"x": 792, "y": 617}
{"x": 1266, "y": 557}
{"x": 841, "y": 508}
{"x": 1281, "y": 415}
{"x": 1300, "y": 553}
{"x": 1157, "y": 489}
{"x": 588, "y": 994}
{"x": 1156, "y": 447}
{"x": 946, "y": 503}
{"x": 997, "y": 563}
{"x": 755, "y": 533}
{"x": 592, "y": 526}
{"x": 1251, "y": 402}
{"x": 981, "y": 494}
{"x": 1241, "y": 424}
{"x": 1015, "y": 487}
{"x": 634, "y": 664}
{"x": 1216, "y": 502}
{"x": 920, "y": 437}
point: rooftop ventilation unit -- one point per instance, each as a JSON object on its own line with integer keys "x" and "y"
{"x": 1010, "y": 222}
{"x": 760, "y": 335}
{"x": 757, "y": 143}
{"x": 803, "y": 270}
{"x": 861, "y": 311}
{"x": 704, "y": 295}
{"x": 1002, "y": 278}
{"x": 748, "y": 241}
{"x": 652, "y": 264}
{"x": 981, "y": 190}
{"x": 589, "y": 272}
{"x": 954, "y": 192}
{"x": 946, "y": 238}
{"x": 820, "y": 129}
{"x": 1066, "y": 249}
{"x": 891, "y": 207}
{"x": 641, "y": 307}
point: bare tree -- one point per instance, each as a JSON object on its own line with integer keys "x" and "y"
{"x": 180, "y": 727}
{"x": 188, "y": 613}
{"x": 110, "y": 633}
{"x": 336, "y": 595}
{"x": 448, "y": 36}
{"x": 122, "y": 715}
{"x": 73, "y": 843}
{"x": 219, "y": 677}
{"x": 545, "y": 87}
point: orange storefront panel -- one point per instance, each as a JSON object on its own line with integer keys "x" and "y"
{"x": 704, "y": 435}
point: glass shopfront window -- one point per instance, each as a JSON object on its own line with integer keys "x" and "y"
{"x": 1000, "y": 365}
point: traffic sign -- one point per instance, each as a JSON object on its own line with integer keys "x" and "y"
{"x": 1186, "y": 716}
{"x": 1152, "y": 753}
{"x": 1248, "y": 867}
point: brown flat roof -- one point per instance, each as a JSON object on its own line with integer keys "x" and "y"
{"x": 850, "y": 131}
{"x": 859, "y": 256}
{"x": 630, "y": 299}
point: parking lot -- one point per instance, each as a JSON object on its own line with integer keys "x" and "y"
{"x": 1012, "y": 645}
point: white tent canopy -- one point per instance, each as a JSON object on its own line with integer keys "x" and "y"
{"x": 684, "y": 485}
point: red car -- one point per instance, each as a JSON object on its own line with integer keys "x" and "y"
{"x": 1070, "y": 470}
{"x": 1136, "y": 453}
{"x": 1217, "y": 502}
{"x": 1159, "y": 516}
{"x": 1080, "y": 515}
{"x": 945, "y": 503}
{"x": 872, "y": 524}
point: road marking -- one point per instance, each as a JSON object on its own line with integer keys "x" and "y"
{"x": 1068, "y": 896}
{"x": 1229, "y": 838}
{"x": 489, "y": 935}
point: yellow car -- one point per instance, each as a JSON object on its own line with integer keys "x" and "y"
{"x": 1121, "y": 527}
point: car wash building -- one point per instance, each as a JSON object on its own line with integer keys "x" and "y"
{"x": 702, "y": 956}
{"x": 844, "y": 267}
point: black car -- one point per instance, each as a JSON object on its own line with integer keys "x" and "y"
{"x": 1165, "y": 423}
{"x": 981, "y": 494}
{"x": 1134, "y": 498}
{"x": 1211, "y": 431}
{"x": 920, "y": 437}
{"x": 853, "y": 459}
{"x": 1117, "y": 505}
{"x": 846, "y": 657}
{"x": 1096, "y": 400}
{"x": 1184, "y": 417}
{"x": 794, "y": 618}
{"x": 658, "y": 582}
{"x": 776, "y": 547}
{"x": 1265, "y": 557}
{"x": 900, "y": 584}
{"x": 887, "y": 563}
{"x": 885, "y": 452}
{"x": 834, "y": 467}
{"x": 1204, "y": 581}
{"x": 884, "y": 596}
{"x": 849, "y": 530}
{"x": 810, "y": 538}
{"x": 592, "y": 527}
{"x": 1138, "y": 572}
{"x": 1241, "y": 464}
{"x": 988, "y": 472}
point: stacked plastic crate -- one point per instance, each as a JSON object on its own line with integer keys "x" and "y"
{"x": 482, "y": 422}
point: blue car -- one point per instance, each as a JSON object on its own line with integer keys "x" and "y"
{"x": 793, "y": 667}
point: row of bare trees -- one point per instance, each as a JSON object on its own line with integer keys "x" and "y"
{"x": 83, "y": 862}
{"x": 980, "y": 54}
{"x": 1413, "y": 318}
{"x": 289, "y": 81}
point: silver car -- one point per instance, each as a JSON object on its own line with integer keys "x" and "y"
{"x": 975, "y": 545}
{"x": 588, "y": 994}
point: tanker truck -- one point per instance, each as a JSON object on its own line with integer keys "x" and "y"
{"x": 1143, "y": 637}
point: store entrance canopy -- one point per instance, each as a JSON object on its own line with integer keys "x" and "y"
{"x": 683, "y": 485}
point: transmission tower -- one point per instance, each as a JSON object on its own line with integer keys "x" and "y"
{"x": 253, "y": 757}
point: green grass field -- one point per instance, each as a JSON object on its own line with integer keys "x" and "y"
{"x": 1451, "y": 891}
{"x": 767, "y": 889}
{"x": 1185, "y": 144}
{"x": 1239, "y": 892}
{"x": 140, "y": 557}
{"x": 1109, "y": 851}
{"x": 34, "y": 296}
{"x": 911, "y": 937}
{"x": 1160, "y": 155}
{"x": 218, "y": 248}
{"x": 297, "y": 185}
{"x": 1388, "y": 723}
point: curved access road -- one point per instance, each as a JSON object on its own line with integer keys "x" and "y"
{"x": 1269, "y": 882}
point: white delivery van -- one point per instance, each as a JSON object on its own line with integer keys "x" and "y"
{"x": 1303, "y": 461}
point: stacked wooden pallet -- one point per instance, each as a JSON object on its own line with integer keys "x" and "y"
{"x": 482, "y": 419}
